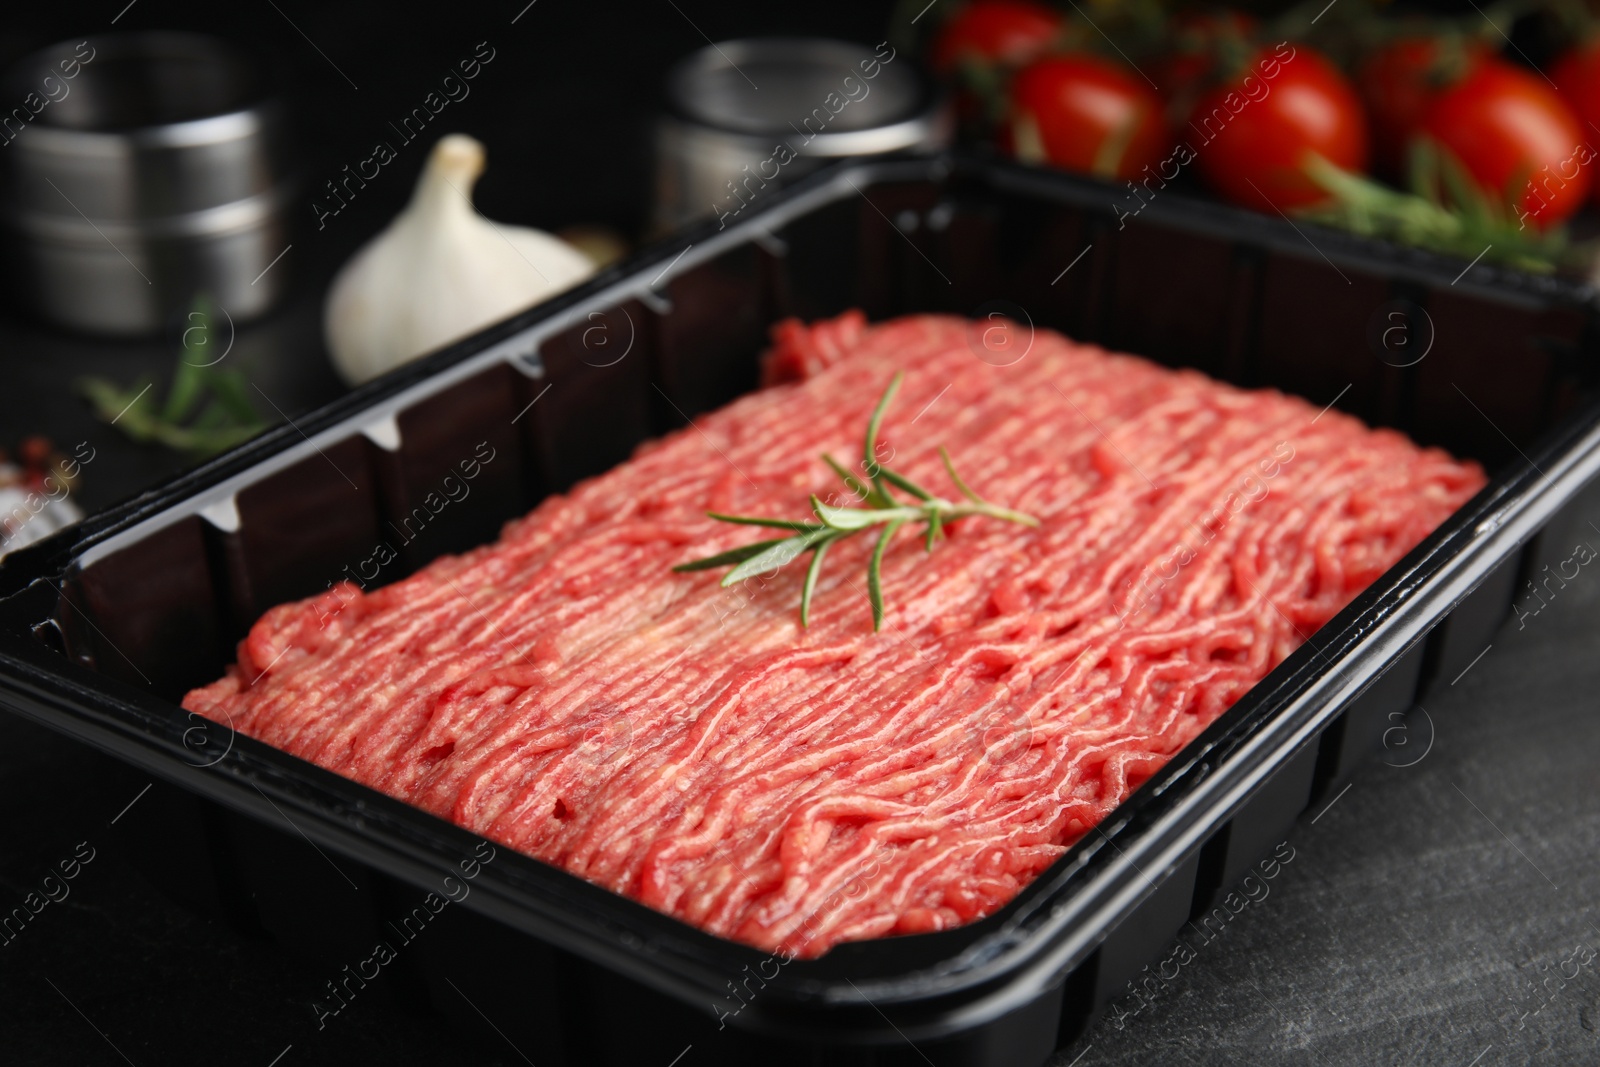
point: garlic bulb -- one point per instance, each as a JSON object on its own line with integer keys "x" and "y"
{"x": 439, "y": 272}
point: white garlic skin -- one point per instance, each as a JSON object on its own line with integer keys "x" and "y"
{"x": 439, "y": 272}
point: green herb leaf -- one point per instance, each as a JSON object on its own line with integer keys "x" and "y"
{"x": 1422, "y": 169}
{"x": 756, "y": 520}
{"x": 839, "y": 523}
{"x": 206, "y": 409}
{"x": 900, "y": 481}
{"x": 228, "y": 386}
{"x": 869, "y": 447}
{"x": 862, "y": 492}
{"x": 846, "y": 518}
{"x": 812, "y": 572}
{"x": 733, "y": 555}
{"x": 779, "y": 555}
{"x": 188, "y": 383}
{"x": 1463, "y": 192}
{"x": 961, "y": 485}
{"x": 875, "y": 573}
{"x": 1457, "y": 219}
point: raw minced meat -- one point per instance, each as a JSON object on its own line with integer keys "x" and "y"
{"x": 563, "y": 692}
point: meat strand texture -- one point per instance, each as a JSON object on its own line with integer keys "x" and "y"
{"x": 563, "y": 692}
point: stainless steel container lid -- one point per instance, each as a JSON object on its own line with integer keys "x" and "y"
{"x": 146, "y": 127}
{"x": 858, "y": 100}
{"x": 140, "y": 170}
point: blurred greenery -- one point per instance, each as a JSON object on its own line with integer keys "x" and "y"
{"x": 1440, "y": 209}
{"x": 207, "y": 409}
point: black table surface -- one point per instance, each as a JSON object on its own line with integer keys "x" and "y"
{"x": 1440, "y": 911}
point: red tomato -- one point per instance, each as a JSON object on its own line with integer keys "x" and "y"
{"x": 1577, "y": 77}
{"x": 1402, "y": 80}
{"x": 1252, "y": 134}
{"x": 1518, "y": 140}
{"x": 1009, "y": 32}
{"x": 1086, "y": 114}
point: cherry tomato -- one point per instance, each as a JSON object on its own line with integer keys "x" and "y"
{"x": 1401, "y": 81}
{"x": 1007, "y": 32}
{"x": 1518, "y": 140}
{"x": 1577, "y": 77}
{"x": 1087, "y": 114}
{"x": 1253, "y": 133}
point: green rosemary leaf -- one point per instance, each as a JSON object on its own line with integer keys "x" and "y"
{"x": 902, "y": 482}
{"x": 757, "y": 520}
{"x": 112, "y": 401}
{"x": 1465, "y": 194}
{"x": 863, "y": 491}
{"x": 869, "y": 446}
{"x": 188, "y": 382}
{"x": 961, "y": 485}
{"x": 839, "y": 523}
{"x": 205, "y": 411}
{"x": 1456, "y": 219}
{"x": 1422, "y": 170}
{"x": 1007, "y": 515}
{"x": 874, "y": 573}
{"x": 847, "y": 518}
{"x": 723, "y": 559}
{"x": 779, "y": 555}
{"x": 811, "y": 580}
{"x": 228, "y": 386}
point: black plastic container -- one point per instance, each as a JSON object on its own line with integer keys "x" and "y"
{"x": 102, "y": 628}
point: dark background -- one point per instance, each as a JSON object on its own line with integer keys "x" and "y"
{"x": 1424, "y": 918}
{"x": 565, "y": 110}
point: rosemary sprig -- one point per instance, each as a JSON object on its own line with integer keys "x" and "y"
{"x": 207, "y": 408}
{"x": 835, "y": 524}
{"x": 1444, "y": 212}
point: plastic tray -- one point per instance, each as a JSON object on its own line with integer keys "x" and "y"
{"x": 103, "y": 627}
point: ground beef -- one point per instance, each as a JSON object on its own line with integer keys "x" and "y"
{"x": 563, "y": 692}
